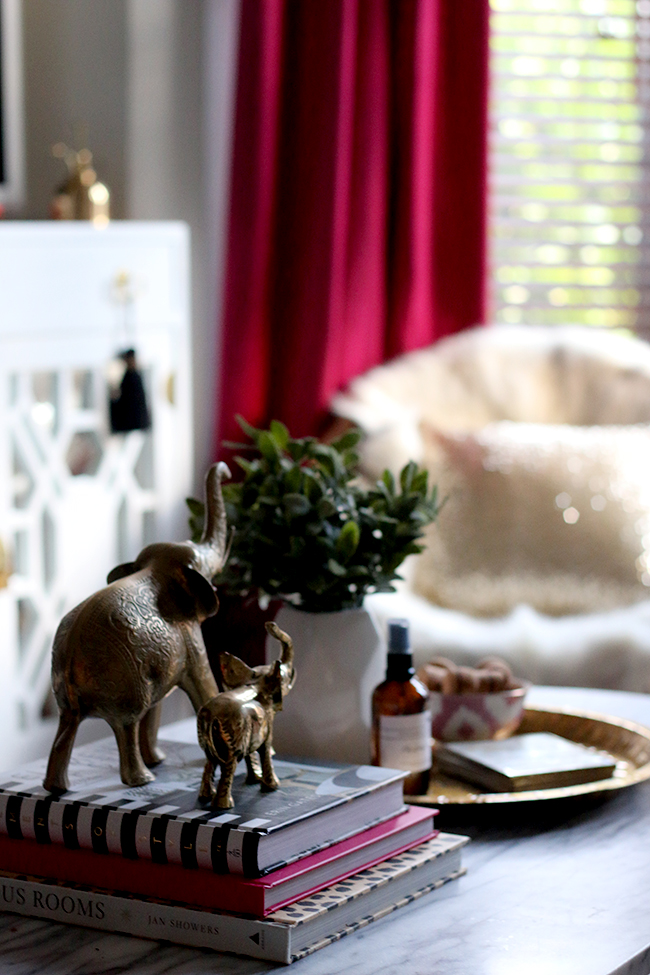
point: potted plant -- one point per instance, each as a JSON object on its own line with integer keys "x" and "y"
{"x": 308, "y": 531}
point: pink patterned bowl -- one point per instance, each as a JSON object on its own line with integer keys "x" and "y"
{"x": 474, "y": 717}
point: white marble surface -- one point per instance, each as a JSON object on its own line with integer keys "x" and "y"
{"x": 566, "y": 893}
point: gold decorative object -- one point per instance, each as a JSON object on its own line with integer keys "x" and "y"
{"x": 122, "y": 650}
{"x": 238, "y": 723}
{"x": 5, "y": 567}
{"x": 81, "y": 196}
{"x": 627, "y": 741}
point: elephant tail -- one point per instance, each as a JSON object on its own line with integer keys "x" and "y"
{"x": 62, "y": 685}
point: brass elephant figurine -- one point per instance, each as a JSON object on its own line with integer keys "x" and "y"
{"x": 238, "y": 723}
{"x": 121, "y": 651}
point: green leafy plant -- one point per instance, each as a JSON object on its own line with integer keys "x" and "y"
{"x": 306, "y": 529}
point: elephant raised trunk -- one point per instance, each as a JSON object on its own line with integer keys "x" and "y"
{"x": 286, "y": 657}
{"x": 212, "y": 550}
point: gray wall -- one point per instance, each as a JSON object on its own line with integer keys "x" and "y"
{"x": 75, "y": 71}
{"x": 153, "y": 81}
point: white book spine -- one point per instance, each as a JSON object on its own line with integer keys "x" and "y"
{"x": 55, "y": 822}
{"x": 27, "y": 809}
{"x": 113, "y": 912}
{"x": 173, "y": 841}
{"x": 204, "y": 847}
{"x": 113, "y": 831}
{"x": 84, "y": 827}
{"x": 143, "y": 836}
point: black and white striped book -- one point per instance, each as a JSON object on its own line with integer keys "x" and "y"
{"x": 283, "y": 936}
{"x": 163, "y": 821}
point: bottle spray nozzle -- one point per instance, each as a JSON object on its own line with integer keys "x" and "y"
{"x": 398, "y": 636}
{"x": 399, "y": 662}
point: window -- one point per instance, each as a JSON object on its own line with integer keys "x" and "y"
{"x": 570, "y": 184}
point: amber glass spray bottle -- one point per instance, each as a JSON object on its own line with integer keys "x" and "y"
{"x": 401, "y": 720}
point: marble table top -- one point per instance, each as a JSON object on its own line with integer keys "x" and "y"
{"x": 565, "y": 892}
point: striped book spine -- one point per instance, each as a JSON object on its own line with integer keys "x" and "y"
{"x": 193, "y": 839}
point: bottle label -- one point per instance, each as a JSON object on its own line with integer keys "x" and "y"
{"x": 405, "y": 741}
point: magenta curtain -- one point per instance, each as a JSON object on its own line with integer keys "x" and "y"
{"x": 357, "y": 223}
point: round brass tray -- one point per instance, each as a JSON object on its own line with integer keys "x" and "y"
{"x": 626, "y": 741}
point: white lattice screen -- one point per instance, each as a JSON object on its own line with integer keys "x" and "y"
{"x": 75, "y": 499}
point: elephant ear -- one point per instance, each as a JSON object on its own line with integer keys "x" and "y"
{"x": 120, "y": 571}
{"x": 288, "y": 677}
{"x": 234, "y": 672}
{"x": 185, "y": 594}
{"x": 275, "y": 685}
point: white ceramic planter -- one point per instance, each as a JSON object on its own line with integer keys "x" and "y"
{"x": 339, "y": 658}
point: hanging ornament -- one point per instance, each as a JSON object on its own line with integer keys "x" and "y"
{"x": 128, "y": 408}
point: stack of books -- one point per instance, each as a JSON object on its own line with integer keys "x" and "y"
{"x": 277, "y": 877}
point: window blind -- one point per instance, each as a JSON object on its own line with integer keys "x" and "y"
{"x": 569, "y": 177}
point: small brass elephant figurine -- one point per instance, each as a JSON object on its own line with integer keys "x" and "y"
{"x": 239, "y": 722}
{"x": 121, "y": 651}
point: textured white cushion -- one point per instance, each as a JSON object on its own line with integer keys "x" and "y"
{"x": 557, "y": 517}
{"x": 530, "y": 374}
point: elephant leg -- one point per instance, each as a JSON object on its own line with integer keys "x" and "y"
{"x": 254, "y": 769}
{"x": 151, "y": 754}
{"x": 198, "y": 680}
{"x": 133, "y": 771}
{"x": 56, "y": 777}
{"x": 207, "y": 791}
{"x": 224, "y": 798}
{"x": 270, "y": 781}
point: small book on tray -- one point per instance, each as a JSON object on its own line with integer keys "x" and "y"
{"x": 539, "y": 760}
